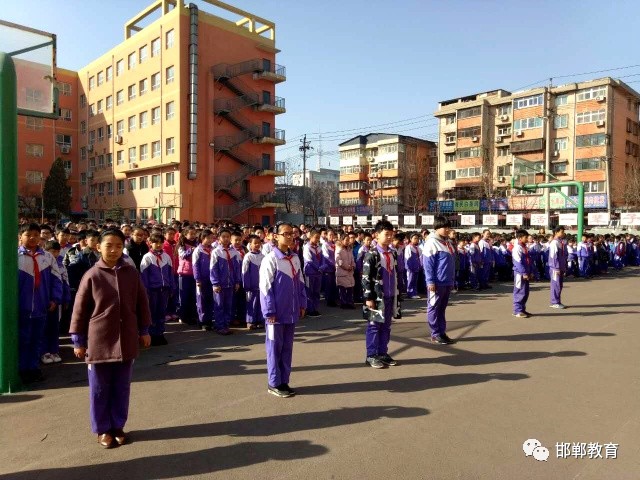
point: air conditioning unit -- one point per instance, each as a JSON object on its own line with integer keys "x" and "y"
{"x": 501, "y": 179}
{"x": 65, "y": 148}
{"x": 504, "y": 118}
{"x": 90, "y": 147}
{"x": 600, "y": 123}
{"x": 498, "y": 139}
{"x": 519, "y": 133}
{"x": 118, "y": 139}
{"x": 555, "y": 153}
{"x": 600, "y": 98}
{"x": 134, "y": 165}
{"x": 474, "y": 139}
{"x": 89, "y": 174}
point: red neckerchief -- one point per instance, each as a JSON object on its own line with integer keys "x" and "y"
{"x": 447, "y": 243}
{"x": 36, "y": 267}
{"x": 289, "y": 258}
{"x": 240, "y": 251}
{"x": 226, "y": 250}
{"x": 206, "y": 249}
{"x": 316, "y": 251}
{"x": 332, "y": 246}
{"x": 414, "y": 249}
{"x": 387, "y": 257}
{"x": 526, "y": 253}
{"x": 158, "y": 256}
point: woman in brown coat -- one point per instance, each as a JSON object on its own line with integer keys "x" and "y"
{"x": 345, "y": 267}
{"x": 110, "y": 318}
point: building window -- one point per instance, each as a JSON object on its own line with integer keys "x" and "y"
{"x": 65, "y": 89}
{"x": 170, "y": 109}
{"x": 470, "y": 112}
{"x": 155, "y": 47}
{"x": 109, "y": 102}
{"x": 144, "y": 152}
{"x": 527, "y": 102}
{"x": 469, "y": 152}
{"x": 144, "y": 182}
{"x": 120, "y": 127}
{"x": 83, "y": 101}
{"x": 110, "y": 188}
{"x": 170, "y": 74}
{"x": 109, "y": 159}
{"x": 560, "y": 144}
{"x": 561, "y": 121}
{"x": 527, "y": 123}
{"x": 101, "y": 189}
{"x": 99, "y": 106}
{"x": 64, "y": 140}
{"x": 155, "y": 81}
{"x": 83, "y": 127}
{"x": 109, "y": 71}
{"x": 594, "y": 163}
{"x": 132, "y": 184}
{"x": 65, "y": 114}
{"x": 119, "y": 67}
{"x": 170, "y": 38}
{"x": 92, "y": 83}
{"x": 169, "y": 179}
{"x": 449, "y": 174}
{"x": 155, "y": 149}
{"x": 504, "y": 151}
{"x": 591, "y": 117}
{"x": 469, "y": 132}
{"x": 142, "y": 86}
{"x": 132, "y": 155}
{"x": 559, "y": 168}
{"x": 170, "y": 146}
{"x": 144, "y": 53}
{"x": 144, "y": 119}
{"x": 92, "y": 137}
{"x": 131, "y": 92}
{"x": 504, "y": 170}
{"x": 83, "y": 153}
{"x": 155, "y": 115}
{"x": 35, "y": 150}
{"x": 100, "y": 78}
{"x": 594, "y": 140}
{"x": 92, "y": 163}
{"x": 449, "y": 157}
{"x": 144, "y": 213}
{"x": 132, "y": 123}
{"x": 120, "y": 97}
{"x": 100, "y": 134}
{"x": 92, "y": 109}
{"x": 132, "y": 61}
{"x": 120, "y": 187}
{"x": 450, "y": 137}
{"x": 503, "y": 109}
{"x": 100, "y": 161}
{"x": 120, "y": 157}
{"x": 450, "y": 119}
{"x": 591, "y": 93}
{"x": 561, "y": 100}
{"x": 504, "y": 130}
{"x": 34, "y": 123}
{"x": 83, "y": 178}
{"x": 469, "y": 172}
{"x": 155, "y": 181}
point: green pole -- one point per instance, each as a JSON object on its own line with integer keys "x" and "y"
{"x": 9, "y": 378}
{"x": 580, "y": 210}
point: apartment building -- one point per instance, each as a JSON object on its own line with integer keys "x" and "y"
{"x": 323, "y": 176}
{"x": 587, "y": 131}
{"x": 41, "y": 141}
{"x": 178, "y": 121}
{"x": 387, "y": 173}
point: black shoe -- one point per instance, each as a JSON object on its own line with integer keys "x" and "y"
{"x": 278, "y": 391}
{"x": 374, "y": 362}
{"x": 313, "y": 314}
{"x": 387, "y": 360}
{"x": 158, "y": 340}
{"x": 447, "y": 338}
{"x": 286, "y": 387}
{"x": 31, "y": 376}
{"x": 441, "y": 340}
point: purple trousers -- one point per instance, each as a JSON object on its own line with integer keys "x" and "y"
{"x": 158, "y": 299}
{"x": 378, "y": 334}
{"x": 314, "y": 284}
{"x": 520, "y": 293}
{"x": 330, "y": 288}
{"x": 187, "y": 287}
{"x": 346, "y": 295}
{"x": 402, "y": 281}
{"x": 109, "y": 390}
{"x": 436, "y": 306}
{"x": 30, "y": 335}
{"x": 172, "y": 305}
{"x": 223, "y": 308}
{"x": 51, "y": 339}
{"x": 412, "y": 283}
{"x": 557, "y": 281}
{"x": 254, "y": 311}
{"x": 279, "y": 346}
{"x": 204, "y": 303}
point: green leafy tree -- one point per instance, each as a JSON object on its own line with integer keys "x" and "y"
{"x": 57, "y": 194}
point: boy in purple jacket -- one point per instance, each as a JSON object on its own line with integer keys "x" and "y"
{"x": 251, "y": 282}
{"x": 439, "y": 270}
{"x": 283, "y": 300}
{"x": 412, "y": 266}
{"x": 557, "y": 266}
{"x": 156, "y": 272}
{"x": 312, "y": 255}
{"x": 202, "y": 276}
{"x": 225, "y": 278}
{"x": 329, "y": 269}
{"x": 522, "y": 273}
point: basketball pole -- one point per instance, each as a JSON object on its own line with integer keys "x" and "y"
{"x": 9, "y": 378}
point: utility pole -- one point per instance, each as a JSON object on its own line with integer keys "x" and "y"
{"x": 304, "y": 148}
{"x": 547, "y": 163}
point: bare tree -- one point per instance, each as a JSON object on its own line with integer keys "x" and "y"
{"x": 416, "y": 182}
{"x": 631, "y": 188}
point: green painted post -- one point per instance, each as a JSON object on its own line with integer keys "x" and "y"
{"x": 580, "y": 210}
{"x": 9, "y": 378}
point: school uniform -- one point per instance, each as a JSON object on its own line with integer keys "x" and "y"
{"x": 402, "y": 270}
{"x": 584, "y": 256}
{"x": 204, "y": 294}
{"x": 313, "y": 261}
{"x": 345, "y": 265}
{"x": 187, "y": 284}
{"x": 522, "y": 265}
{"x": 619, "y": 254}
{"x": 439, "y": 270}
{"x": 136, "y": 251}
{"x": 282, "y": 296}
{"x": 412, "y": 265}
{"x": 572, "y": 261}
{"x": 224, "y": 273}
{"x": 240, "y": 296}
{"x": 557, "y": 269}
{"x": 110, "y": 314}
{"x": 475, "y": 265}
{"x": 379, "y": 282}
{"x": 251, "y": 284}
{"x": 462, "y": 273}
{"x": 486, "y": 253}
{"x": 534, "y": 254}
{"x": 156, "y": 273}
{"x": 39, "y": 283}
{"x": 51, "y": 340}
{"x": 329, "y": 272}
{"x": 169, "y": 247}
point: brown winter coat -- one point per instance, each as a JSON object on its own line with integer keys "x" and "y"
{"x": 112, "y": 310}
{"x": 345, "y": 265}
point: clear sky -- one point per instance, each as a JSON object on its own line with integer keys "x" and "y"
{"x": 361, "y": 66}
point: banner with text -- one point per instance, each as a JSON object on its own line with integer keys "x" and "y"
{"x": 598, "y": 218}
{"x": 514, "y": 219}
{"x": 490, "y": 220}
{"x": 630, "y": 218}
{"x": 538, "y": 219}
{"x": 568, "y": 219}
{"x": 409, "y": 220}
{"x": 427, "y": 219}
{"x": 467, "y": 220}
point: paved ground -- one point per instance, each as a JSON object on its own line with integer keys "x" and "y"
{"x": 200, "y": 408}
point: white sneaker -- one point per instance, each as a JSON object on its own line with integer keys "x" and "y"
{"x": 558, "y": 306}
{"x": 47, "y": 358}
{"x": 415, "y": 297}
{"x": 56, "y": 358}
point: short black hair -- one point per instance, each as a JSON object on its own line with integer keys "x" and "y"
{"x": 383, "y": 225}
{"x": 30, "y": 227}
{"x": 440, "y": 221}
{"x": 94, "y": 234}
{"x": 559, "y": 228}
{"x": 44, "y": 226}
{"x": 156, "y": 238}
{"x": 111, "y": 232}
{"x": 521, "y": 233}
{"x": 52, "y": 245}
{"x": 282, "y": 224}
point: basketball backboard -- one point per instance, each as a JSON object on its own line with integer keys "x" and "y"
{"x": 527, "y": 172}
{"x": 170, "y": 200}
{"x": 34, "y": 56}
